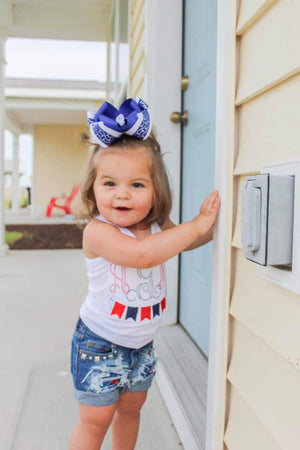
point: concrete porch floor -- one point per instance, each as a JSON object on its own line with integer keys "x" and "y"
{"x": 41, "y": 293}
{"x": 35, "y": 215}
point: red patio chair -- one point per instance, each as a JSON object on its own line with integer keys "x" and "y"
{"x": 66, "y": 206}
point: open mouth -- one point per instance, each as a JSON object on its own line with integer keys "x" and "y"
{"x": 122, "y": 208}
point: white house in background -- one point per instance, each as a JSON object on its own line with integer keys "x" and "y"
{"x": 242, "y": 331}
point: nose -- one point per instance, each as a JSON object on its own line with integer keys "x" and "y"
{"x": 122, "y": 193}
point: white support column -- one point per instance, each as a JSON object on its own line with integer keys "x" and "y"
{"x": 117, "y": 44}
{"x": 30, "y": 130}
{"x": 108, "y": 70}
{"x": 15, "y": 174}
{"x": 3, "y": 246}
{"x": 110, "y": 56}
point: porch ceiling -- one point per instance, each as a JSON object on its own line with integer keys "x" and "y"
{"x": 85, "y": 20}
{"x": 54, "y": 19}
{"x": 34, "y": 102}
{"x": 29, "y": 117}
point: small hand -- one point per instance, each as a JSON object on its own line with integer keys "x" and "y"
{"x": 208, "y": 212}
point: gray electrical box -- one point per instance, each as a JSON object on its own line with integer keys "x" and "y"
{"x": 267, "y": 219}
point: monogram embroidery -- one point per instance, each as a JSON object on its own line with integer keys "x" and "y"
{"x": 114, "y": 269}
{"x": 144, "y": 290}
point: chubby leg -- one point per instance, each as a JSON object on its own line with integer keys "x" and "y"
{"x": 92, "y": 426}
{"x": 126, "y": 420}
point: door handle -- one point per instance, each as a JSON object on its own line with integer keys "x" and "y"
{"x": 178, "y": 117}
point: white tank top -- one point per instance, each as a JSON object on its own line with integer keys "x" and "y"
{"x": 124, "y": 305}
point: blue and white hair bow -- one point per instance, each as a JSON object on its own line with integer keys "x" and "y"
{"x": 109, "y": 123}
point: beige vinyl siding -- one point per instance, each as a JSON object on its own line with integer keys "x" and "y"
{"x": 255, "y": 435}
{"x": 251, "y": 11}
{"x": 268, "y": 384}
{"x": 237, "y": 236}
{"x": 263, "y": 395}
{"x": 137, "y": 49}
{"x": 272, "y": 317}
{"x": 269, "y": 127}
{"x": 269, "y": 51}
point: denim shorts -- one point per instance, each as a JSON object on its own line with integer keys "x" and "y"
{"x": 102, "y": 370}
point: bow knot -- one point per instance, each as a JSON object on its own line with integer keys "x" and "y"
{"x": 109, "y": 123}
{"x": 120, "y": 119}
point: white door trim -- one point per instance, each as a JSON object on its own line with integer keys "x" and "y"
{"x": 221, "y": 275}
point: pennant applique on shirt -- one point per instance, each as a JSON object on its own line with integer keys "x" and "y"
{"x": 118, "y": 309}
{"x": 146, "y": 312}
{"x": 155, "y": 310}
{"x": 131, "y": 313}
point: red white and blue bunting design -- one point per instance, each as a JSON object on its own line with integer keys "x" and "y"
{"x": 136, "y": 313}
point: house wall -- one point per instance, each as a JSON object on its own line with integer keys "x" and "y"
{"x": 59, "y": 162}
{"x": 263, "y": 392}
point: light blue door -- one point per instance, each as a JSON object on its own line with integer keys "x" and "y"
{"x": 198, "y": 161}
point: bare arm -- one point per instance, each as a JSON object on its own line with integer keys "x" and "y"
{"x": 106, "y": 240}
{"x": 201, "y": 240}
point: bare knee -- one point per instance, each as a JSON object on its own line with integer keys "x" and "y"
{"x": 131, "y": 403}
{"x": 96, "y": 417}
{"x": 91, "y": 429}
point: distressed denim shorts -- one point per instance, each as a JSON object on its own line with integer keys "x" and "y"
{"x": 102, "y": 370}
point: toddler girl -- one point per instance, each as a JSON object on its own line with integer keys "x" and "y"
{"x": 126, "y": 243}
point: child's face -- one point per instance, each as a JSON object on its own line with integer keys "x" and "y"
{"x": 123, "y": 186}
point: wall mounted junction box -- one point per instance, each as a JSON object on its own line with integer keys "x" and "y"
{"x": 267, "y": 219}
{"x": 271, "y": 222}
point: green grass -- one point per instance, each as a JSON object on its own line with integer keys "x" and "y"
{"x": 28, "y": 235}
{"x": 12, "y": 236}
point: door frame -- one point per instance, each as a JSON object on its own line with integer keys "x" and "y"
{"x": 221, "y": 276}
{"x": 164, "y": 37}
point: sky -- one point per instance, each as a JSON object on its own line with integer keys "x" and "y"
{"x": 56, "y": 60}
{"x": 53, "y": 59}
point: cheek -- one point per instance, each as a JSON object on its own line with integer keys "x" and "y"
{"x": 149, "y": 201}
{"x": 96, "y": 194}
{"x": 101, "y": 196}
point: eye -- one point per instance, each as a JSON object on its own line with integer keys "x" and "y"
{"x": 138, "y": 185}
{"x": 109, "y": 183}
